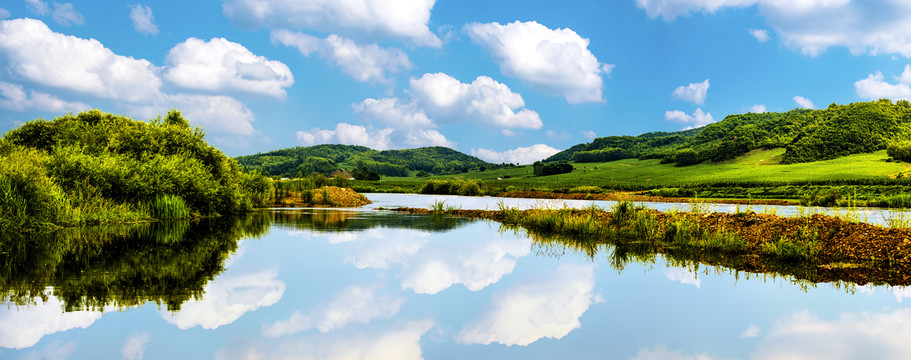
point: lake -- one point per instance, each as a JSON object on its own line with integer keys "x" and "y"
{"x": 369, "y": 284}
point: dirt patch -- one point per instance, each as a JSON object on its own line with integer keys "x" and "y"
{"x": 326, "y": 196}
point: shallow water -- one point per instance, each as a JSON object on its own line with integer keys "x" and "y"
{"x": 366, "y": 284}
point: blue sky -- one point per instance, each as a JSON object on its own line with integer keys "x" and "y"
{"x": 507, "y": 81}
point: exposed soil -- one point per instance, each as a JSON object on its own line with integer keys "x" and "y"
{"x": 855, "y": 252}
{"x": 631, "y": 196}
{"x": 338, "y": 197}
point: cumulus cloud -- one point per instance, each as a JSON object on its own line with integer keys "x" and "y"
{"x": 758, "y": 109}
{"x": 760, "y": 35}
{"x": 521, "y": 155}
{"x": 368, "y": 63}
{"x": 35, "y": 53}
{"x": 227, "y": 299}
{"x": 851, "y": 336}
{"x": 555, "y": 61}
{"x": 697, "y": 119}
{"x": 549, "y": 305}
{"x": 484, "y": 99}
{"x": 134, "y": 347}
{"x": 143, "y": 21}
{"x": 683, "y": 276}
{"x": 813, "y": 26}
{"x": 219, "y": 65}
{"x": 401, "y": 342}
{"x": 590, "y": 135}
{"x": 803, "y": 102}
{"x": 393, "y": 112}
{"x": 13, "y": 97}
{"x": 219, "y": 113}
{"x": 355, "y": 304}
{"x": 876, "y": 87}
{"x": 381, "y": 252}
{"x": 24, "y": 327}
{"x": 694, "y": 93}
{"x": 398, "y": 18}
{"x": 347, "y": 134}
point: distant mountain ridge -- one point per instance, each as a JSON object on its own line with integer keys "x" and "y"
{"x": 807, "y": 135}
{"x": 328, "y": 158}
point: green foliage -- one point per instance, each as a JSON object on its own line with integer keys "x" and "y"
{"x": 452, "y": 187}
{"x": 544, "y": 169}
{"x": 686, "y": 157}
{"x": 601, "y": 155}
{"x": 97, "y": 167}
{"x": 365, "y": 174}
{"x": 167, "y": 207}
{"x": 900, "y": 151}
{"x": 432, "y": 160}
{"x": 421, "y": 173}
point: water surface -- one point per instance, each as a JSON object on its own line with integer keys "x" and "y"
{"x": 366, "y": 284}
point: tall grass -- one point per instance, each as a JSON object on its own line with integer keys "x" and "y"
{"x": 167, "y": 207}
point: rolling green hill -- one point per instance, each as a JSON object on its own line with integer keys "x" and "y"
{"x": 329, "y": 158}
{"x": 806, "y": 136}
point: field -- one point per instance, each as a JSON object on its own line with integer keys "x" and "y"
{"x": 756, "y": 166}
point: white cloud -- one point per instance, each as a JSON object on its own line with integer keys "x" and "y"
{"x": 382, "y": 252}
{"x": 38, "y": 7}
{"x": 751, "y": 332}
{"x": 522, "y": 155}
{"x": 694, "y": 93}
{"x": 589, "y": 135}
{"x": 758, "y": 109}
{"x": 555, "y": 61}
{"x": 143, "y": 21}
{"x": 347, "y": 134}
{"x": 474, "y": 264}
{"x": 875, "y": 87}
{"x": 662, "y": 353}
{"x": 14, "y": 98}
{"x": 24, "y": 327}
{"x": 227, "y": 299}
{"x": 812, "y": 26}
{"x": 367, "y": 63}
{"x": 219, "y": 65}
{"x": 355, "y": 304}
{"x": 804, "y": 103}
{"x": 697, "y": 119}
{"x": 683, "y": 276}
{"x": 55, "y": 350}
{"x": 549, "y": 305}
{"x": 134, "y": 347}
{"x": 852, "y": 336}
{"x": 36, "y": 53}
{"x": 400, "y": 343}
{"x": 219, "y": 113}
{"x": 399, "y": 18}
{"x": 393, "y": 112}
{"x": 63, "y": 13}
{"x": 484, "y": 99}
{"x": 760, "y": 35}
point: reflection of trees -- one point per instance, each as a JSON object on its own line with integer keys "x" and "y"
{"x": 342, "y": 220}
{"x": 121, "y": 265}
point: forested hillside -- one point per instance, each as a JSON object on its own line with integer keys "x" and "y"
{"x": 326, "y": 159}
{"x": 807, "y": 135}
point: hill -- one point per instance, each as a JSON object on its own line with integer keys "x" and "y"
{"x": 326, "y": 159}
{"x": 806, "y": 136}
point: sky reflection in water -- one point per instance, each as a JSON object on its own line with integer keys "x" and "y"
{"x": 325, "y": 284}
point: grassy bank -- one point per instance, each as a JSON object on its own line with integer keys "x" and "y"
{"x": 95, "y": 167}
{"x": 812, "y": 247}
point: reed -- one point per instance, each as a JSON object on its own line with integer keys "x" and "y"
{"x": 167, "y": 207}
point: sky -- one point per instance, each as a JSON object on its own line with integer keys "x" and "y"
{"x": 506, "y": 81}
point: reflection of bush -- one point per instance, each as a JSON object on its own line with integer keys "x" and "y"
{"x": 341, "y": 220}
{"x": 125, "y": 265}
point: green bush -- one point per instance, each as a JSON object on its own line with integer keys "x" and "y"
{"x": 900, "y": 151}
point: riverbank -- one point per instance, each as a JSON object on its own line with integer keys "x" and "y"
{"x": 638, "y": 197}
{"x": 326, "y": 196}
{"x": 817, "y": 248}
